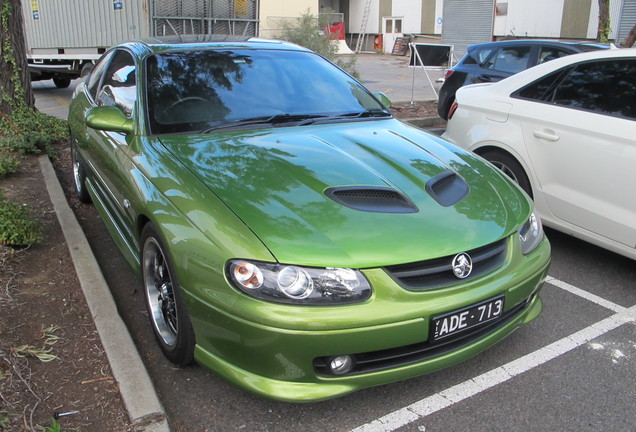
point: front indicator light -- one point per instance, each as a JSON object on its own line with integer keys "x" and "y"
{"x": 298, "y": 285}
{"x": 248, "y": 275}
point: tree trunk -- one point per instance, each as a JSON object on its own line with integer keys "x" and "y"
{"x": 629, "y": 40}
{"x": 602, "y": 34}
{"x": 15, "y": 84}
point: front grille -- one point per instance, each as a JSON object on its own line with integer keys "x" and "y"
{"x": 438, "y": 272}
{"x": 401, "y": 356}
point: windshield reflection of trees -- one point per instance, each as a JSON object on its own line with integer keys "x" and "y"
{"x": 183, "y": 89}
{"x": 607, "y": 87}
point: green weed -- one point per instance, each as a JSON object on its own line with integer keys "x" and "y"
{"x": 16, "y": 228}
{"x": 9, "y": 163}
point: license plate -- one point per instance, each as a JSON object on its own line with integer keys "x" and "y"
{"x": 465, "y": 319}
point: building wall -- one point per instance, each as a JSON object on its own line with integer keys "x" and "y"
{"x": 356, "y": 10}
{"x": 538, "y": 18}
{"x": 561, "y": 19}
{"x": 411, "y": 11}
{"x": 273, "y": 12}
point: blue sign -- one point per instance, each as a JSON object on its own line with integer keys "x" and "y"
{"x": 118, "y": 5}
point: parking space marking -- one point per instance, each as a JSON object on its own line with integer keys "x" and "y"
{"x": 485, "y": 381}
{"x": 586, "y": 295}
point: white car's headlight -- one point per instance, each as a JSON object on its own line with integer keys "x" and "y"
{"x": 298, "y": 285}
{"x": 530, "y": 234}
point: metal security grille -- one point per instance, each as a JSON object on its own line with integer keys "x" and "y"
{"x": 627, "y": 19}
{"x": 467, "y": 22}
{"x": 229, "y": 17}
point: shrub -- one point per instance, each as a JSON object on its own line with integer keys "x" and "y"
{"x": 30, "y": 131}
{"x": 16, "y": 228}
{"x": 8, "y": 163}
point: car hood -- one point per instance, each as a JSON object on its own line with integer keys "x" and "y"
{"x": 275, "y": 181}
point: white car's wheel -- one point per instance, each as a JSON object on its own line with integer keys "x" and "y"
{"x": 509, "y": 166}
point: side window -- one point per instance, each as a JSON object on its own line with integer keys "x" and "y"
{"x": 541, "y": 89}
{"x": 513, "y": 59}
{"x": 119, "y": 86}
{"x": 550, "y": 53}
{"x": 96, "y": 75}
{"x": 606, "y": 87}
{"x": 477, "y": 56}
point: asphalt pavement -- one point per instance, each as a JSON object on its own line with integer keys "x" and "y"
{"x": 573, "y": 369}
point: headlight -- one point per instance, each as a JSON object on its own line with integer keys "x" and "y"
{"x": 530, "y": 234}
{"x": 298, "y": 285}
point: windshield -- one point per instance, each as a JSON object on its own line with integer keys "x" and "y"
{"x": 207, "y": 90}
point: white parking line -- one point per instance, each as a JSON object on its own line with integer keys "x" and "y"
{"x": 584, "y": 294}
{"x": 471, "y": 387}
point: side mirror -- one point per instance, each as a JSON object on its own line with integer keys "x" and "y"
{"x": 383, "y": 98}
{"x": 108, "y": 118}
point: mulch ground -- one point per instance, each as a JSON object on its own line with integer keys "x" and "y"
{"x": 51, "y": 357}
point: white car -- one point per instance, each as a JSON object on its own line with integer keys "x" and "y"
{"x": 565, "y": 131}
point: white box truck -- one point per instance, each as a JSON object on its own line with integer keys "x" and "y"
{"x": 64, "y": 38}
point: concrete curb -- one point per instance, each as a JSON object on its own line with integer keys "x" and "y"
{"x": 139, "y": 396}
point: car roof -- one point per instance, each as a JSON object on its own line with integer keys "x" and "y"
{"x": 211, "y": 41}
{"x": 583, "y": 46}
{"x": 161, "y": 44}
{"x": 529, "y": 75}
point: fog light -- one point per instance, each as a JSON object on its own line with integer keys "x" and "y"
{"x": 341, "y": 365}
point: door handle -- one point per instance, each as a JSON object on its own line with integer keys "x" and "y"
{"x": 484, "y": 78}
{"x": 546, "y": 135}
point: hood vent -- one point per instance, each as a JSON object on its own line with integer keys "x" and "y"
{"x": 372, "y": 199}
{"x": 447, "y": 188}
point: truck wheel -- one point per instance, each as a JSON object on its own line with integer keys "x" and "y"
{"x": 86, "y": 69}
{"x": 62, "y": 82}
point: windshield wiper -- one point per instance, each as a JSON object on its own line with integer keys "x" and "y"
{"x": 302, "y": 119}
{"x": 359, "y": 114}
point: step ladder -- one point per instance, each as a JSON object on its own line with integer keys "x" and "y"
{"x": 363, "y": 27}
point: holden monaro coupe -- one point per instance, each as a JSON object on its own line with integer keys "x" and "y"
{"x": 290, "y": 234}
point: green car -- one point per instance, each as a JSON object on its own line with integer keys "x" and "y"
{"x": 290, "y": 234}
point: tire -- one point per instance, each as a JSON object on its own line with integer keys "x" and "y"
{"x": 444, "y": 105}
{"x": 62, "y": 82}
{"x": 79, "y": 174}
{"x": 168, "y": 317}
{"x": 86, "y": 69}
{"x": 509, "y": 166}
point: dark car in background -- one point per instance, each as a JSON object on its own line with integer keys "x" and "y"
{"x": 494, "y": 61}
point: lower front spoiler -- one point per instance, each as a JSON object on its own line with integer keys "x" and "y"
{"x": 326, "y": 388}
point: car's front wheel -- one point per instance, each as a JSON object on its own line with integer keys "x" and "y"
{"x": 166, "y": 310}
{"x": 510, "y": 167}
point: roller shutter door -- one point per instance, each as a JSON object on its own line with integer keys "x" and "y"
{"x": 467, "y": 22}
{"x": 627, "y": 20}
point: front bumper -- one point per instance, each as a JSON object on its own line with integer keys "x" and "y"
{"x": 280, "y": 363}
